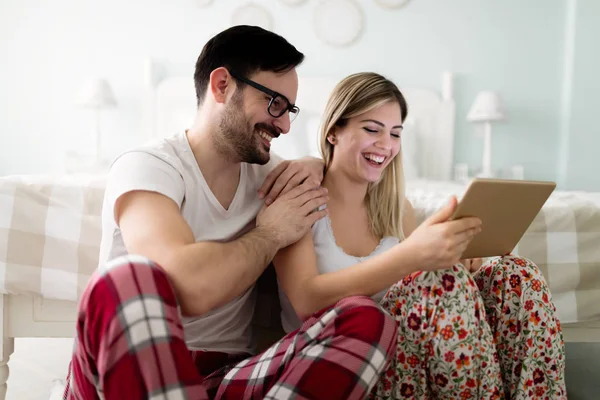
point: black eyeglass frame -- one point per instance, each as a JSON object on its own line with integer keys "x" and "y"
{"x": 291, "y": 108}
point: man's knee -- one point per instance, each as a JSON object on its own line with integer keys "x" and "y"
{"x": 129, "y": 261}
{"x": 127, "y": 277}
{"x": 132, "y": 266}
{"x": 364, "y": 317}
{"x": 130, "y": 288}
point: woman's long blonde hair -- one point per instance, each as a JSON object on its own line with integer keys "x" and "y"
{"x": 355, "y": 95}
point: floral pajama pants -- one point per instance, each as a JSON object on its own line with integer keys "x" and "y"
{"x": 491, "y": 335}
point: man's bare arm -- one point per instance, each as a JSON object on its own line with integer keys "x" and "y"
{"x": 206, "y": 275}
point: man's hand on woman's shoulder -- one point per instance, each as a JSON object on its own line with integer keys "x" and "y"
{"x": 289, "y": 174}
{"x": 292, "y": 215}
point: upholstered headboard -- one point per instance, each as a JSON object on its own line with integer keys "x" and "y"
{"x": 428, "y": 137}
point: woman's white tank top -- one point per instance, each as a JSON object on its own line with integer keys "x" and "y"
{"x": 330, "y": 258}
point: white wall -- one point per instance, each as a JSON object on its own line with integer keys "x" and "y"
{"x": 580, "y": 136}
{"x": 49, "y": 48}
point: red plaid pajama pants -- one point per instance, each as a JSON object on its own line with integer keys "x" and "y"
{"x": 130, "y": 345}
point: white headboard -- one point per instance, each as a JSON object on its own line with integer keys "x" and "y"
{"x": 427, "y": 140}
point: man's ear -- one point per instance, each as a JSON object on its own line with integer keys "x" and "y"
{"x": 220, "y": 83}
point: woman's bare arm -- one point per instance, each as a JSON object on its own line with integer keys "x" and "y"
{"x": 409, "y": 220}
{"x": 436, "y": 245}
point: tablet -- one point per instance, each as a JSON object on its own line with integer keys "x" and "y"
{"x": 506, "y": 208}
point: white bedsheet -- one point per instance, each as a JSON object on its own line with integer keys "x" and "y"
{"x": 50, "y": 237}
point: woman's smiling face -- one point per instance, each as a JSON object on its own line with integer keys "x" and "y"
{"x": 367, "y": 144}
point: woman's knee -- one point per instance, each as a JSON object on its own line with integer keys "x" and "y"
{"x": 513, "y": 269}
{"x": 513, "y": 274}
{"x": 512, "y": 263}
{"x": 435, "y": 284}
{"x": 426, "y": 302}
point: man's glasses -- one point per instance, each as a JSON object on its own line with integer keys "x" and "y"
{"x": 278, "y": 105}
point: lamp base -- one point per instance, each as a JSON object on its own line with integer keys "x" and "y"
{"x": 486, "y": 169}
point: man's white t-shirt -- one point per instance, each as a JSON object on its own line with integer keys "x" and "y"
{"x": 169, "y": 167}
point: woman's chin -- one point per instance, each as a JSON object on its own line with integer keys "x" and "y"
{"x": 370, "y": 178}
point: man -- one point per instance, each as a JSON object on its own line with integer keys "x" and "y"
{"x": 188, "y": 234}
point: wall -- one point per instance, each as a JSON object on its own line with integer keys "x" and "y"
{"x": 49, "y": 48}
{"x": 580, "y": 135}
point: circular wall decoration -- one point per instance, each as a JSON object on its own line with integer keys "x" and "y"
{"x": 203, "y": 3}
{"x": 293, "y": 2}
{"x": 391, "y": 3}
{"x": 338, "y": 22}
{"x": 252, "y": 14}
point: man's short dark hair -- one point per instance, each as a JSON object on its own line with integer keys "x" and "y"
{"x": 244, "y": 50}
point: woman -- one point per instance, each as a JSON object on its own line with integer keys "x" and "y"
{"x": 465, "y": 330}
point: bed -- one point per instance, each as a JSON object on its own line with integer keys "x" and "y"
{"x": 50, "y": 225}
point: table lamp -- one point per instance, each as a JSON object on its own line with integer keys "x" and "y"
{"x": 486, "y": 108}
{"x": 97, "y": 95}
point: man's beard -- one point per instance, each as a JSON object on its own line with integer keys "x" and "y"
{"x": 238, "y": 139}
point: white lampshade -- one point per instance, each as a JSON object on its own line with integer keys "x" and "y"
{"x": 486, "y": 107}
{"x": 97, "y": 94}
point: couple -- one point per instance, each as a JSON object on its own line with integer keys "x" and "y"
{"x": 374, "y": 305}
